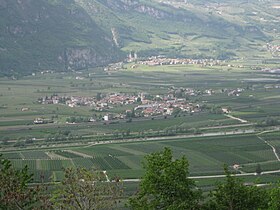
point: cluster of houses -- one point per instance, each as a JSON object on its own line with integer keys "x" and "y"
{"x": 235, "y": 92}
{"x": 159, "y": 61}
{"x": 42, "y": 121}
{"x": 185, "y": 92}
{"x": 144, "y": 105}
{"x": 273, "y": 71}
{"x": 114, "y": 67}
{"x": 166, "y": 107}
{"x": 101, "y": 103}
{"x": 71, "y": 101}
{"x": 273, "y": 49}
{"x": 162, "y": 60}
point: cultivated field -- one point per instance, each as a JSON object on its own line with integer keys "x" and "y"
{"x": 209, "y": 139}
{"x": 206, "y": 156}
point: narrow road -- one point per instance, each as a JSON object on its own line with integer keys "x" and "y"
{"x": 106, "y": 176}
{"x": 90, "y": 144}
{"x": 249, "y": 131}
{"x": 204, "y": 128}
{"x": 228, "y": 126}
{"x": 236, "y": 118}
{"x": 272, "y": 147}
{"x": 214, "y": 176}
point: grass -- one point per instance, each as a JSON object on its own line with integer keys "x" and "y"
{"x": 84, "y": 162}
{"x": 34, "y": 155}
{"x": 18, "y": 94}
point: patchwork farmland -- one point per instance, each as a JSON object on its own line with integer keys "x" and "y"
{"x": 206, "y": 156}
{"x": 235, "y": 120}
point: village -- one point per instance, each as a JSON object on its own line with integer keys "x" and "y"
{"x": 177, "y": 99}
{"x": 273, "y": 49}
{"x": 160, "y": 60}
{"x": 145, "y": 105}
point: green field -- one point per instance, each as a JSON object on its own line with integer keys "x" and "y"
{"x": 254, "y": 104}
{"x": 49, "y": 148}
{"x": 206, "y": 156}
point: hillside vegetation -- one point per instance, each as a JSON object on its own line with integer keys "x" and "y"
{"x": 50, "y": 35}
{"x": 78, "y": 34}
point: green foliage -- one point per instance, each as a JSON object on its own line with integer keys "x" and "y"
{"x": 268, "y": 122}
{"x": 77, "y": 119}
{"x": 233, "y": 194}
{"x": 86, "y": 190}
{"x": 258, "y": 169}
{"x": 274, "y": 196}
{"x": 165, "y": 184}
{"x": 42, "y": 35}
{"x": 15, "y": 192}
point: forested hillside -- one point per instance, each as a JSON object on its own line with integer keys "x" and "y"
{"x": 50, "y": 35}
{"x": 78, "y": 34}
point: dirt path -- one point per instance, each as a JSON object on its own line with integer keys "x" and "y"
{"x": 55, "y": 156}
{"x": 236, "y": 118}
{"x": 79, "y": 154}
{"x": 227, "y": 126}
{"x": 272, "y": 147}
{"x": 107, "y": 178}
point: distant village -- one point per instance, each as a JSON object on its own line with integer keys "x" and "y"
{"x": 158, "y": 60}
{"x": 144, "y": 105}
{"x": 270, "y": 70}
{"x": 273, "y": 49}
{"x": 162, "y": 60}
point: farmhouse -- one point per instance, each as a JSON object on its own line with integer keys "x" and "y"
{"x": 24, "y": 109}
{"x": 39, "y": 121}
{"x": 225, "y": 110}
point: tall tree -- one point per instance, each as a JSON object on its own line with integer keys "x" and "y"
{"x": 233, "y": 195}
{"x": 274, "y": 196}
{"x": 165, "y": 184}
{"x": 15, "y": 192}
{"x": 86, "y": 190}
{"x": 258, "y": 169}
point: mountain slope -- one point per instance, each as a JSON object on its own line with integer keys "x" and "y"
{"x": 77, "y": 34}
{"x": 173, "y": 29}
{"x": 59, "y": 35}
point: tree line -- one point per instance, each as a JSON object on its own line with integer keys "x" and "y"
{"x": 165, "y": 185}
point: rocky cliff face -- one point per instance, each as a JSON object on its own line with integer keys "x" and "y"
{"x": 83, "y": 58}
